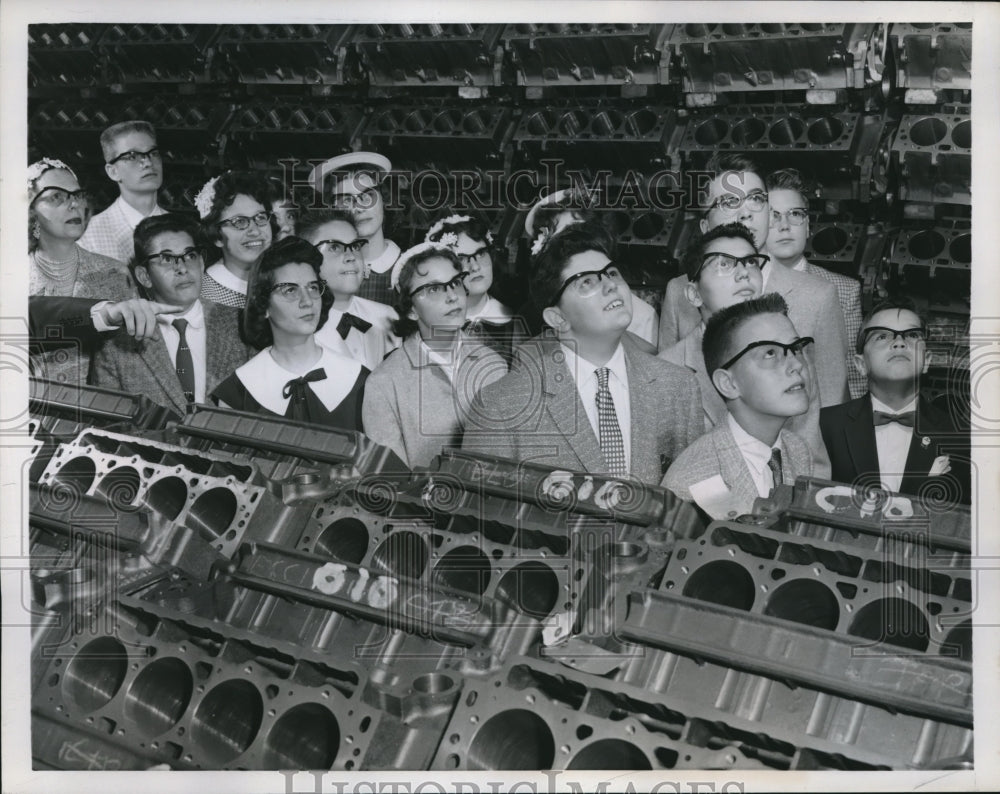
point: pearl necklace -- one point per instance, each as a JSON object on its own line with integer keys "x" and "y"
{"x": 60, "y": 276}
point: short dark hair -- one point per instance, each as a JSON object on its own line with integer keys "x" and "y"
{"x": 695, "y": 252}
{"x": 788, "y": 179}
{"x": 260, "y": 283}
{"x": 312, "y": 219}
{"x": 547, "y": 277}
{"x": 404, "y": 326}
{"x": 722, "y": 326}
{"x": 115, "y": 131}
{"x": 722, "y": 162}
{"x": 151, "y": 227}
{"x": 897, "y": 302}
{"x": 227, "y": 187}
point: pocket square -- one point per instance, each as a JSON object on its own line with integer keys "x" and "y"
{"x": 941, "y": 465}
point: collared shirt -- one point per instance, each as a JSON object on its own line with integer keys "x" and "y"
{"x": 801, "y": 265}
{"x": 197, "y": 341}
{"x": 370, "y": 347}
{"x": 756, "y": 454}
{"x": 892, "y": 441}
{"x": 447, "y": 359}
{"x": 110, "y": 232}
{"x": 492, "y": 310}
{"x": 383, "y": 262}
{"x": 585, "y": 376}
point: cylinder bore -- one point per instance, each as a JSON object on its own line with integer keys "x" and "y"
{"x": 390, "y": 121}
{"x": 961, "y": 134}
{"x": 76, "y": 475}
{"x": 167, "y": 497}
{"x": 476, "y": 122}
{"x": 610, "y": 754}
{"x": 773, "y": 28}
{"x": 959, "y": 642}
{"x": 748, "y": 131}
{"x": 928, "y": 131}
{"x": 606, "y": 122}
{"x": 722, "y": 582}
{"x": 893, "y": 621}
{"x": 828, "y": 240}
{"x": 213, "y": 512}
{"x": 465, "y": 568}
{"x": 448, "y": 120}
{"x": 711, "y": 131}
{"x": 641, "y": 122}
{"x": 647, "y": 226}
{"x": 697, "y": 31}
{"x": 961, "y": 249}
{"x": 415, "y": 121}
{"x": 825, "y": 130}
{"x": 306, "y": 736}
{"x": 542, "y": 123}
{"x": 159, "y": 696}
{"x": 805, "y": 601}
{"x": 403, "y": 554}
{"x": 734, "y": 29}
{"x": 119, "y": 487}
{"x": 515, "y": 739}
{"x": 572, "y": 123}
{"x": 532, "y": 587}
{"x": 926, "y": 244}
{"x": 227, "y": 720}
{"x": 786, "y": 131}
{"x": 346, "y": 539}
{"x": 94, "y": 676}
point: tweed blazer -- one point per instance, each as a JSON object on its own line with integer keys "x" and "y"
{"x": 535, "y": 413}
{"x": 849, "y": 295}
{"x": 145, "y": 367}
{"x": 713, "y": 474}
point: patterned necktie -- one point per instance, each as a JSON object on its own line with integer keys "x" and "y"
{"x": 882, "y": 418}
{"x": 612, "y": 445}
{"x": 184, "y": 363}
{"x": 774, "y": 464}
{"x": 347, "y": 321}
{"x": 296, "y": 390}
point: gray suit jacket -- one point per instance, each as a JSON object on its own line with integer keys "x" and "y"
{"x": 716, "y": 455}
{"x": 127, "y": 364}
{"x": 849, "y": 295}
{"x": 535, "y": 414}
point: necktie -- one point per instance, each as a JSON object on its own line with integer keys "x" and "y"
{"x": 612, "y": 445}
{"x": 184, "y": 363}
{"x": 774, "y": 464}
{"x": 296, "y": 390}
{"x": 347, "y": 321}
{"x": 882, "y": 418}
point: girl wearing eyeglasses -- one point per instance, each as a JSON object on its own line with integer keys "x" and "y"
{"x": 417, "y": 400}
{"x": 58, "y": 212}
{"x": 236, "y": 220}
{"x": 293, "y": 376}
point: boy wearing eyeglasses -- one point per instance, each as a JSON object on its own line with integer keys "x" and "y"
{"x": 132, "y": 159}
{"x": 191, "y": 350}
{"x": 737, "y": 194}
{"x": 892, "y": 436}
{"x": 756, "y": 362}
{"x": 786, "y": 244}
{"x": 358, "y": 328}
{"x": 576, "y": 397}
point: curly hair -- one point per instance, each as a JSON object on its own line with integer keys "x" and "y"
{"x": 547, "y": 277}
{"x": 695, "y": 253}
{"x": 227, "y": 187}
{"x": 473, "y": 228}
{"x": 291, "y": 250}
{"x": 404, "y": 326}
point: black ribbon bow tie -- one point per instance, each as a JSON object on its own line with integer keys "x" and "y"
{"x": 296, "y": 389}
{"x": 347, "y": 320}
{"x": 882, "y": 418}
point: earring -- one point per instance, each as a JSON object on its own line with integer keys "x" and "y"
{"x": 368, "y": 270}
{"x": 36, "y": 230}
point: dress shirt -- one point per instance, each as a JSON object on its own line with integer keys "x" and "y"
{"x": 493, "y": 311}
{"x": 197, "y": 340}
{"x": 370, "y": 347}
{"x": 892, "y": 441}
{"x": 110, "y": 232}
{"x": 384, "y": 262}
{"x": 585, "y": 376}
{"x": 756, "y": 454}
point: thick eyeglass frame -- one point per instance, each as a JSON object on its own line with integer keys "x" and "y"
{"x": 436, "y": 290}
{"x": 59, "y": 197}
{"x": 132, "y": 156}
{"x": 476, "y": 256}
{"x": 170, "y": 259}
{"x": 915, "y": 334}
{"x": 611, "y": 271}
{"x": 242, "y": 222}
{"x": 337, "y": 247}
{"x": 796, "y": 216}
{"x": 732, "y": 262}
{"x": 364, "y": 199}
{"x": 729, "y": 204}
{"x": 796, "y": 348}
{"x": 292, "y": 292}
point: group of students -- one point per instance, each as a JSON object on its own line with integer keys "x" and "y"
{"x": 739, "y": 385}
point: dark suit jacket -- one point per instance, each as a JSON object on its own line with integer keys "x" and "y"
{"x": 534, "y": 413}
{"x": 849, "y": 433}
{"x": 67, "y": 318}
{"x": 127, "y": 364}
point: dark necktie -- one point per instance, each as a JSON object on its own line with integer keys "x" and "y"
{"x": 347, "y": 321}
{"x": 184, "y": 363}
{"x": 774, "y": 464}
{"x": 612, "y": 444}
{"x": 882, "y": 418}
{"x": 296, "y": 391}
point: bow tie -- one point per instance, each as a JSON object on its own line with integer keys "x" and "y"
{"x": 296, "y": 390}
{"x": 347, "y": 320}
{"x": 882, "y": 418}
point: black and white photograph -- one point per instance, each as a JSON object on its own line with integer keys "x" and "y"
{"x": 438, "y": 397}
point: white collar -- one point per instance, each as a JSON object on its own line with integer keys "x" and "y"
{"x": 224, "y": 276}
{"x": 265, "y": 379}
{"x": 492, "y": 310}
{"x": 195, "y": 315}
{"x": 749, "y": 445}
{"x": 384, "y": 262}
{"x": 581, "y": 369}
{"x": 132, "y": 215}
{"x": 878, "y": 405}
{"x": 802, "y": 265}
{"x": 363, "y": 308}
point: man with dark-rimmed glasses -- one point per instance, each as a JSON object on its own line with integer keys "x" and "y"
{"x": 192, "y": 350}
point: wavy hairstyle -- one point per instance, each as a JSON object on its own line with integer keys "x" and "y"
{"x": 227, "y": 187}
{"x": 404, "y": 326}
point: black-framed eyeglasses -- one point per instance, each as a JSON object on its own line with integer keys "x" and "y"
{"x": 132, "y": 156}
{"x": 588, "y": 282}
{"x": 795, "y": 216}
{"x": 170, "y": 259}
{"x": 475, "y": 257}
{"x": 288, "y": 291}
{"x": 770, "y": 354}
{"x": 723, "y": 265}
{"x": 730, "y": 203}
{"x": 337, "y": 247}
{"x": 364, "y": 199}
{"x": 59, "y": 197}
{"x": 884, "y": 337}
{"x": 437, "y": 290}
{"x": 242, "y": 222}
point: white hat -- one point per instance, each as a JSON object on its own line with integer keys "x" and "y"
{"x": 339, "y": 163}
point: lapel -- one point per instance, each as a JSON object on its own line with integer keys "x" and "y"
{"x": 566, "y": 411}
{"x": 732, "y": 467}
{"x": 154, "y": 357}
{"x": 920, "y": 458}
{"x": 712, "y": 404}
{"x": 859, "y": 436}
{"x": 645, "y": 463}
{"x": 780, "y": 280}
{"x": 219, "y": 359}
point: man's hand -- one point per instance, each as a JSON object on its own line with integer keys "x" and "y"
{"x": 137, "y": 315}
